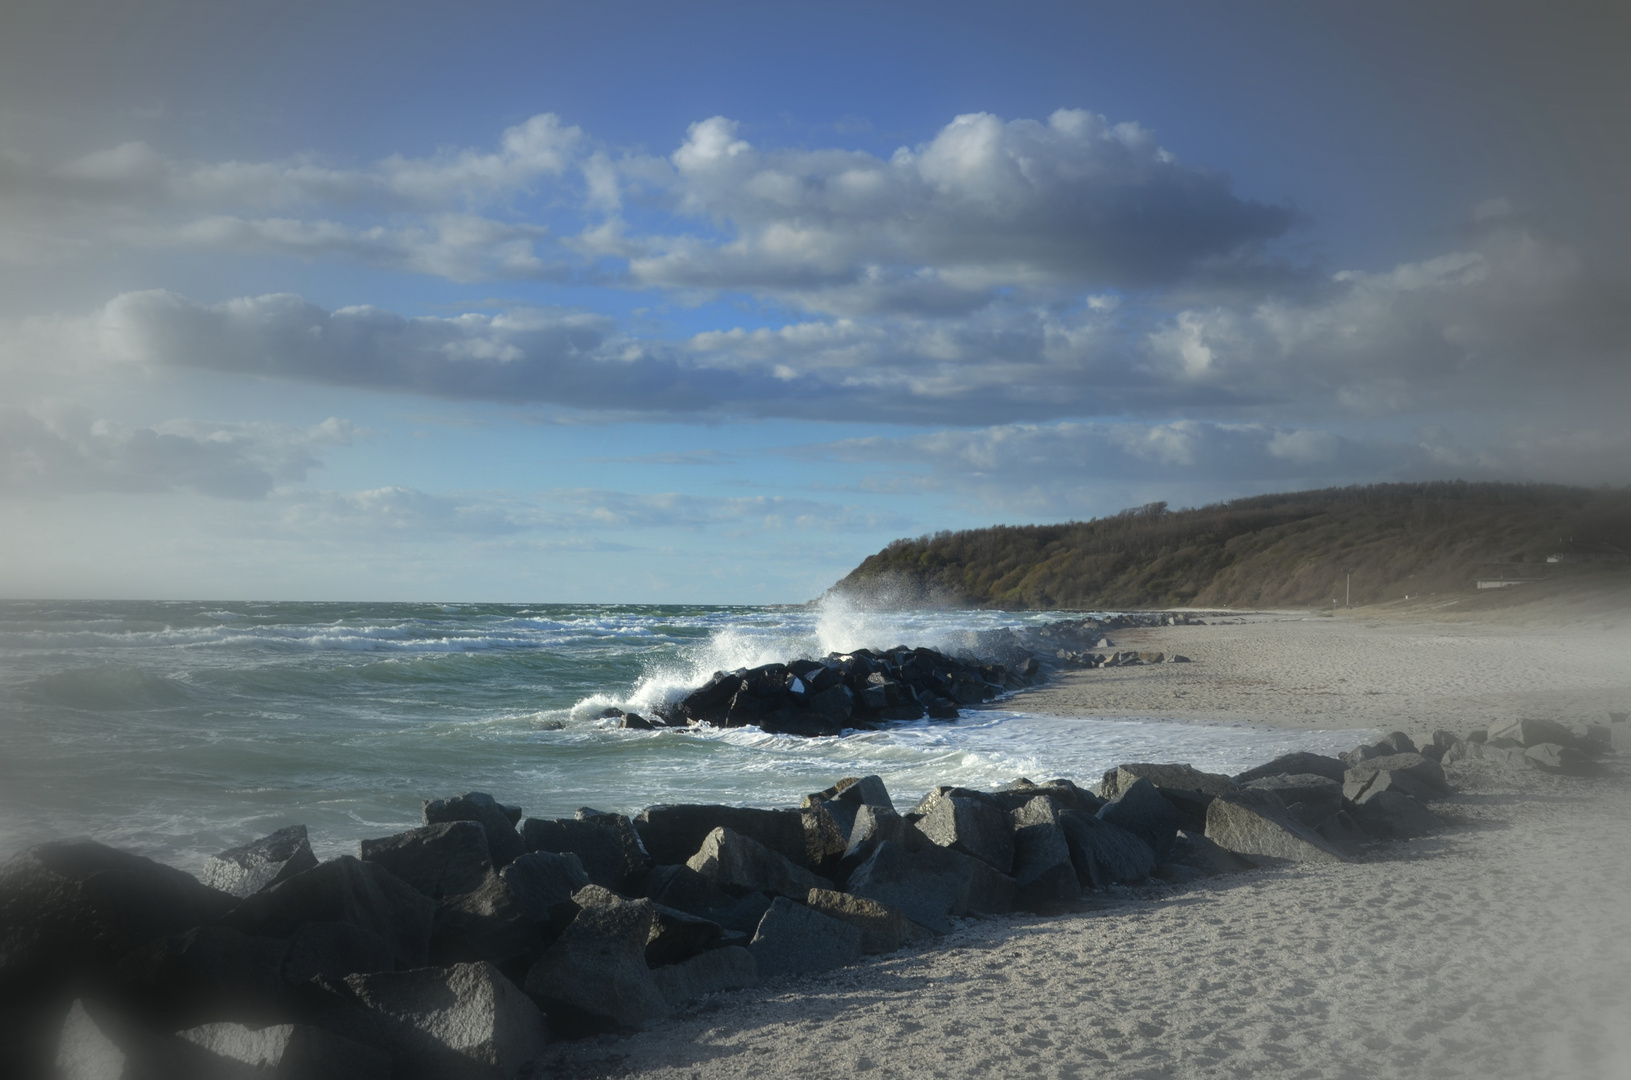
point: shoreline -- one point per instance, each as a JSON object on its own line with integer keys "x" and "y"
{"x": 1495, "y": 949}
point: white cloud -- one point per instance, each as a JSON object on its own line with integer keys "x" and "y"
{"x": 57, "y": 451}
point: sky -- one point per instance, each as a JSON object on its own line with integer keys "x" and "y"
{"x": 705, "y": 302}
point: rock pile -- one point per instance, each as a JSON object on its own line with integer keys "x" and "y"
{"x": 458, "y": 949}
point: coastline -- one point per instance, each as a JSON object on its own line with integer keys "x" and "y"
{"x": 1496, "y": 949}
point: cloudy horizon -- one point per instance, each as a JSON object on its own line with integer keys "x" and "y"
{"x": 706, "y": 303}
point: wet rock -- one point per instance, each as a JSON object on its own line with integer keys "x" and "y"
{"x": 882, "y": 927}
{"x": 731, "y": 968}
{"x": 1044, "y": 876}
{"x": 293, "y": 1051}
{"x": 1299, "y": 763}
{"x": 441, "y": 1023}
{"x": 344, "y": 890}
{"x": 606, "y": 844}
{"x": 73, "y": 908}
{"x": 1255, "y": 823}
{"x": 795, "y": 940}
{"x": 543, "y": 882}
{"x": 1141, "y": 810}
{"x": 931, "y": 884}
{"x": 971, "y": 823}
{"x": 595, "y": 975}
{"x": 672, "y": 834}
{"x": 1104, "y": 854}
{"x": 740, "y": 864}
{"x": 439, "y": 860}
{"x": 503, "y": 842}
{"x": 258, "y": 864}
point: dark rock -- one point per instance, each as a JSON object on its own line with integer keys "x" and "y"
{"x": 1530, "y": 733}
{"x": 1561, "y": 759}
{"x": 1342, "y": 831}
{"x": 73, "y": 908}
{"x": 711, "y": 972}
{"x": 207, "y": 973}
{"x": 1044, "y": 876}
{"x": 971, "y": 823}
{"x": 742, "y": 915}
{"x": 1394, "y": 815}
{"x": 1104, "y": 854}
{"x": 344, "y": 890}
{"x": 595, "y": 975}
{"x": 489, "y": 923}
{"x": 635, "y": 722}
{"x": 1255, "y": 823}
{"x": 1296, "y": 764}
{"x": 438, "y": 860}
{"x": 335, "y": 950}
{"x": 1141, "y": 810}
{"x": 467, "y": 1021}
{"x": 683, "y": 888}
{"x": 1318, "y": 797}
{"x": 1359, "y": 791}
{"x": 606, "y": 844}
{"x": 873, "y": 825}
{"x": 1193, "y": 856}
{"x": 795, "y": 940}
{"x": 1425, "y": 771}
{"x": 503, "y": 842}
{"x": 931, "y": 884}
{"x": 1188, "y": 789}
{"x": 740, "y": 864}
{"x": 543, "y": 882}
{"x": 294, "y": 1051}
{"x": 676, "y": 935}
{"x": 882, "y": 927}
{"x": 1065, "y": 795}
{"x": 672, "y": 834}
{"x": 252, "y": 867}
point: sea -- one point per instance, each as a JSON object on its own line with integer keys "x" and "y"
{"x": 178, "y": 729}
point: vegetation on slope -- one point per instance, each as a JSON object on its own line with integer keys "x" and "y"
{"x": 1291, "y": 550}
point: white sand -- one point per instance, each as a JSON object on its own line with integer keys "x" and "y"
{"x": 1499, "y": 949}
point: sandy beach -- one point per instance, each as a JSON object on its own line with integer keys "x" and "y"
{"x": 1497, "y": 949}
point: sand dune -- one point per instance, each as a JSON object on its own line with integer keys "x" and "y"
{"x": 1498, "y": 949}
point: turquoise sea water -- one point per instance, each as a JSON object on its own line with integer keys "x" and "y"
{"x": 179, "y": 729}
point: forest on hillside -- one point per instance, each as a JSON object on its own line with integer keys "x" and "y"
{"x": 1296, "y": 549}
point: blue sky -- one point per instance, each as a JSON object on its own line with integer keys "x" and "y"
{"x": 706, "y": 302}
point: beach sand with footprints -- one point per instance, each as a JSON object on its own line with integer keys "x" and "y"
{"x": 1498, "y": 948}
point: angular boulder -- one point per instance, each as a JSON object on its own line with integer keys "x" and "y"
{"x": 882, "y": 927}
{"x": 439, "y": 860}
{"x": 1529, "y": 733}
{"x": 1424, "y": 771}
{"x": 258, "y": 864}
{"x": 443, "y": 1023}
{"x": 595, "y": 975}
{"x": 1393, "y": 815}
{"x": 1044, "y": 876}
{"x": 334, "y": 950}
{"x": 795, "y": 940}
{"x": 740, "y": 865}
{"x": 503, "y": 842}
{"x": 731, "y": 968}
{"x": 1255, "y": 823}
{"x": 873, "y": 825}
{"x": 71, "y": 908}
{"x": 489, "y": 924}
{"x": 543, "y": 882}
{"x": 207, "y": 973}
{"x": 970, "y": 822}
{"x": 1143, "y": 811}
{"x": 1470, "y": 750}
{"x": 345, "y": 890}
{"x": 1561, "y": 759}
{"x": 683, "y": 888}
{"x": 672, "y": 834}
{"x": 931, "y": 884}
{"x": 227, "y": 1050}
{"x": 1193, "y": 856}
{"x": 1310, "y": 798}
{"x": 606, "y": 844}
{"x": 676, "y": 935}
{"x": 1299, "y": 763}
{"x": 1104, "y": 854}
{"x": 97, "y": 1043}
{"x": 1064, "y": 793}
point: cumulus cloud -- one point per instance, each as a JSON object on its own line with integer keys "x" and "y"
{"x": 47, "y": 452}
{"x": 986, "y": 204}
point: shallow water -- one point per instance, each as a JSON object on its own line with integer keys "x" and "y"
{"x": 179, "y": 729}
